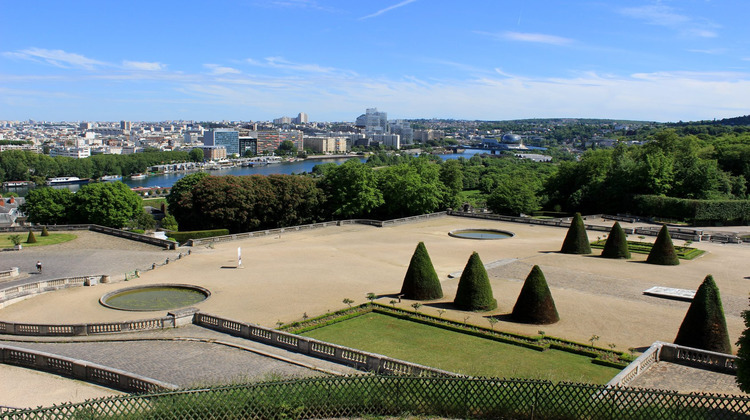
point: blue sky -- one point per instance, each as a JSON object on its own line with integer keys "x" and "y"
{"x": 472, "y": 59}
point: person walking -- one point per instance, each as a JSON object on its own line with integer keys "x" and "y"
{"x": 38, "y": 266}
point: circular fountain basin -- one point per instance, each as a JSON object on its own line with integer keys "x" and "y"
{"x": 481, "y": 234}
{"x": 156, "y": 297}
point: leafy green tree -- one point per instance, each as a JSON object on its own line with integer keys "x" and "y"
{"x": 196, "y": 155}
{"x": 142, "y": 220}
{"x": 351, "y": 188}
{"x": 474, "y": 291}
{"x": 576, "y": 240}
{"x": 535, "y": 304}
{"x": 48, "y": 205}
{"x": 110, "y": 204}
{"x": 411, "y": 188}
{"x": 743, "y": 355}
{"x": 287, "y": 147}
{"x": 421, "y": 281}
{"x": 513, "y": 197}
{"x": 180, "y": 203}
{"x": 452, "y": 177}
{"x": 704, "y": 326}
{"x": 297, "y": 200}
{"x": 169, "y": 223}
{"x": 663, "y": 252}
{"x": 617, "y": 243}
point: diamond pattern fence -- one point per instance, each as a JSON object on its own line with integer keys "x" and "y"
{"x": 450, "y": 397}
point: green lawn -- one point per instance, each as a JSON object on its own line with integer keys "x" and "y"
{"x": 460, "y": 353}
{"x": 53, "y": 238}
{"x": 155, "y": 202}
{"x": 474, "y": 197}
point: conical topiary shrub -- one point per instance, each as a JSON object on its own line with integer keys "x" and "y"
{"x": 743, "y": 355}
{"x": 474, "y": 291}
{"x": 44, "y": 231}
{"x": 617, "y": 243}
{"x": 535, "y": 304}
{"x": 663, "y": 253}
{"x": 704, "y": 326}
{"x": 421, "y": 281}
{"x": 576, "y": 241}
{"x": 31, "y": 239}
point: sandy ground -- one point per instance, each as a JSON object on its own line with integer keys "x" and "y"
{"x": 311, "y": 272}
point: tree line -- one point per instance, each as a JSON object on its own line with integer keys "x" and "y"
{"x": 21, "y": 165}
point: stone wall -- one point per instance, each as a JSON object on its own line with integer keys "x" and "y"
{"x": 79, "y": 369}
{"x": 357, "y": 359}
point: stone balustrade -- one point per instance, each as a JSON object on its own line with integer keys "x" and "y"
{"x": 681, "y": 355}
{"x": 79, "y": 369}
{"x": 8, "y": 273}
{"x": 344, "y": 355}
{"x": 279, "y": 231}
{"x": 13, "y": 294}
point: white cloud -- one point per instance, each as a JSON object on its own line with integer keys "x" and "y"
{"x": 220, "y": 70}
{"x": 661, "y": 15}
{"x": 529, "y": 37}
{"x": 284, "y": 64}
{"x": 143, "y": 66}
{"x": 58, "y": 58}
{"x": 387, "y": 9}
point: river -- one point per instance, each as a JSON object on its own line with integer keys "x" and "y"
{"x": 167, "y": 180}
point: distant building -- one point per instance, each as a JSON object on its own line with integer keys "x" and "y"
{"x": 74, "y": 152}
{"x": 388, "y": 140}
{"x": 248, "y": 143}
{"x": 301, "y": 118}
{"x": 226, "y": 137}
{"x": 283, "y": 121}
{"x": 327, "y": 144}
{"x": 126, "y": 125}
{"x": 214, "y": 152}
{"x": 268, "y": 141}
{"x": 423, "y": 136}
{"x": 85, "y": 126}
{"x": 403, "y": 129}
{"x": 373, "y": 122}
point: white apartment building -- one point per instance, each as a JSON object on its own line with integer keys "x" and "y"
{"x": 74, "y": 152}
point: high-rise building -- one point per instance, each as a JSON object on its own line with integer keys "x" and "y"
{"x": 226, "y": 137}
{"x": 126, "y": 125}
{"x": 373, "y": 122}
{"x": 301, "y": 118}
{"x": 283, "y": 120}
{"x": 403, "y": 129}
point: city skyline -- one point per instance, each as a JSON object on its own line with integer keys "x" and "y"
{"x": 486, "y": 60}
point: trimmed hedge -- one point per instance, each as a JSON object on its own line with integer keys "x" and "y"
{"x": 31, "y": 239}
{"x": 663, "y": 252}
{"x": 474, "y": 290}
{"x": 535, "y": 304}
{"x": 636, "y": 247}
{"x": 183, "y": 237}
{"x": 697, "y": 212}
{"x": 705, "y": 326}
{"x": 576, "y": 240}
{"x": 617, "y": 243}
{"x": 421, "y": 281}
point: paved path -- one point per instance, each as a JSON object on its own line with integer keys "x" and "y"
{"x": 90, "y": 253}
{"x": 673, "y": 377}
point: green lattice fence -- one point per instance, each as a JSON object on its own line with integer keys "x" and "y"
{"x": 396, "y": 396}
